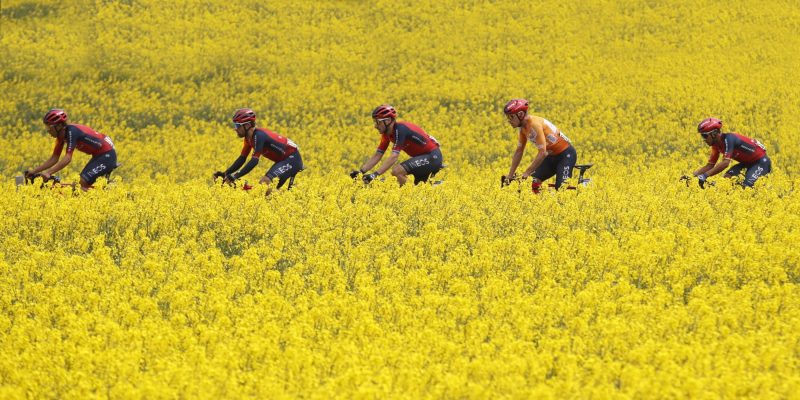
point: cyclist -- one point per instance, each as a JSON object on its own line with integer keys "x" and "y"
{"x": 426, "y": 157}
{"x": 556, "y": 155}
{"x": 262, "y": 142}
{"x": 83, "y": 138}
{"x": 750, "y": 153}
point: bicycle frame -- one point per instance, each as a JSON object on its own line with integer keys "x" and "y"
{"x": 56, "y": 182}
{"x": 583, "y": 181}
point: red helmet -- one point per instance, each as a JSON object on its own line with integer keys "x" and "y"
{"x": 243, "y": 115}
{"x": 709, "y": 125}
{"x": 516, "y": 105}
{"x": 55, "y": 116}
{"x": 384, "y": 111}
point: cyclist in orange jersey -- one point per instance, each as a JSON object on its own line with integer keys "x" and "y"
{"x": 556, "y": 155}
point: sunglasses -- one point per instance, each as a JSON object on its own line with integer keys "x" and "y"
{"x": 237, "y": 125}
{"x": 382, "y": 120}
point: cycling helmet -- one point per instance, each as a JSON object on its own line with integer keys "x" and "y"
{"x": 384, "y": 111}
{"x": 709, "y": 125}
{"x": 55, "y": 116}
{"x": 243, "y": 115}
{"x": 516, "y": 105}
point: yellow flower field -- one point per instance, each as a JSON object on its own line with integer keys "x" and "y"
{"x": 165, "y": 285}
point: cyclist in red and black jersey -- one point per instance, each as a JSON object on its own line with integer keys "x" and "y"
{"x": 82, "y": 138}
{"x": 426, "y": 157}
{"x": 262, "y": 142}
{"x": 750, "y": 153}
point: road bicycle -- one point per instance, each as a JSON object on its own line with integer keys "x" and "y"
{"x": 582, "y": 179}
{"x": 429, "y": 181}
{"x": 55, "y": 181}
{"x": 247, "y": 187}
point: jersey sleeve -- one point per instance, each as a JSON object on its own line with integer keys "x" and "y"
{"x": 246, "y": 148}
{"x": 400, "y": 134}
{"x": 259, "y": 141}
{"x": 71, "y": 139}
{"x": 522, "y": 139}
{"x": 714, "y": 156}
{"x": 58, "y": 148}
{"x": 384, "y": 144}
{"x": 730, "y": 144}
{"x": 536, "y": 135}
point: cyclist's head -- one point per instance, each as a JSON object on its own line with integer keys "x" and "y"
{"x": 515, "y": 110}
{"x": 384, "y": 111}
{"x": 244, "y": 118}
{"x": 709, "y": 125}
{"x": 55, "y": 119}
{"x": 55, "y": 116}
{"x": 709, "y": 128}
{"x": 383, "y": 116}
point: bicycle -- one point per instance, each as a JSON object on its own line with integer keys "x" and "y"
{"x": 29, "y": 179}
{"x": 429, "y": 181}
{"x": 582, "y": 180}
{"x": 247, "y": 187}
{"x": 688, "y": 179}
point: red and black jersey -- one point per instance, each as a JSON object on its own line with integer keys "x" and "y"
{"x": 737, "y": 147}
{"x": 85, "y": 139}
{"x": 409, "y": 138}
{"x": 269, "y": 144}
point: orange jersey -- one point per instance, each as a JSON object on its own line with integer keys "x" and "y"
{"x": 544, "y": 134}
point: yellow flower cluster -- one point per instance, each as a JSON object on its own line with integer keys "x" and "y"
{"x": 164, "y": 285}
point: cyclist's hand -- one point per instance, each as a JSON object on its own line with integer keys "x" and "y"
{"x": 230, "y": 179}
{"x": 355, "y": 174}
{"x": 45, "y": 176}
{"x": 219, "y": 174}
{"x": 701, "y": 180}
{"x": 28, "y": 174}
{"x": 369, "y": 177}
{"x": 525, "y": 175}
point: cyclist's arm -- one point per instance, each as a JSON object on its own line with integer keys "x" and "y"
{"x": 517, "y": 157}
{"x": 236, "y": 165}
{"x": 53, "y": 158}
{"x": 719, "y": 167}
{"x": 241, "y": 159}
{"x": 247, "y": 168}
{"x": 371, "y": 162}
{"x": 47, "y": 164}
{"x": 541, "y": 145}
{"x": 60, "y": 164}
{"x": 387, "y": 165}
{"x": 260, "y": 142}
{"x": 703, "y": 169}
{"x": 400, "y": 135}
{"x": 713, "y": 168}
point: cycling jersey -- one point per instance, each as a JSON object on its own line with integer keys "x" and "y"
{"x": 409, "y": 138}
{"x": 85, "y": 139}
{"x": 737, "y": 147}
{"x": 545, "y": 134}
{"x": 269, "y": 144}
